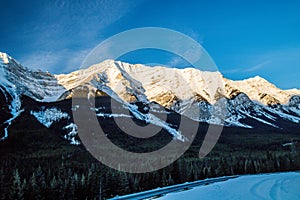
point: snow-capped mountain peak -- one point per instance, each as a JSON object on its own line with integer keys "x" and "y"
{"x": 262, "y": 91}
{"x": 41, "y": 86}
{"x": 4, "y": 57}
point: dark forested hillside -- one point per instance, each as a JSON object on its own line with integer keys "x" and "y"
{"x": 38, "y": 163}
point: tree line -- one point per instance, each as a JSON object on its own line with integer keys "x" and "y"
{"x": 95, "y": 181}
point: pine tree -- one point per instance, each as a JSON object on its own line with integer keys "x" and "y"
{"x": 16, "y": 191}
{"x": 134, "y": 182}
{"x": 40, "y": 183}
{"x": 33, "y": 191}
{"x": 54, "y": 188}
{"x": 72, "y": 187}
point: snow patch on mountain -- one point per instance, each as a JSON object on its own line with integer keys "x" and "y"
{"x": 152, "y": 119}
{"x": 234, "y": 120}
{"x": 112, "y": 115}
{"x": 48, "y": 116}
{"x": 71, "y": 135}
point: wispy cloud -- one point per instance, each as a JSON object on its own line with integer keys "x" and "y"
{"x": 256, "y": 67}
{"x": 231, "y": 71}
{"x": 176, "y": 61}
{"x": 65, "y": 31}
{"x": 62, "y": 61}
{"x": 249, "y": 69}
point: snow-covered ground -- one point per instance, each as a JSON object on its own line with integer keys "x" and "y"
{"x": 265, "y": 186}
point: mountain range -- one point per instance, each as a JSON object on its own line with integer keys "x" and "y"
{"x": 144, "y": 92}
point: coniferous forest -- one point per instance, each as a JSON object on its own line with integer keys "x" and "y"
{"x": 51, "y": 168}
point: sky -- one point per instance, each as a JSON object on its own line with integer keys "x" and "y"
{"x": 244, "y": 38}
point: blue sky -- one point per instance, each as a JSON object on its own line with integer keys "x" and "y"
{"x": 244, "y": 39}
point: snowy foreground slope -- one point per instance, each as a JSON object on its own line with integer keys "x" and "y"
{"x": 266, "y": 186}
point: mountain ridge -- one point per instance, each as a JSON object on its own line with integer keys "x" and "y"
{"x": 137, "y": 68}
{"x": 199, "y": 95}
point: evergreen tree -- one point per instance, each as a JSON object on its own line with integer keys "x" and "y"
{"x": 16, "y": 191}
